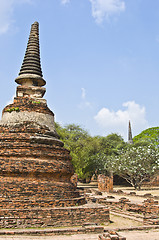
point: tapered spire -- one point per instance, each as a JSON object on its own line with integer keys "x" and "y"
{"x": 31, "y": 66}
{"x": 130, "y": 139}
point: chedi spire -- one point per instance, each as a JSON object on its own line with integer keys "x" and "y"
{"x": 30, "y": 72}
{"x": 30, "y": 76}
{"x": 130, "y": 139}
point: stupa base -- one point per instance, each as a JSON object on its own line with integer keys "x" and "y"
{"x": 53, "y": 217}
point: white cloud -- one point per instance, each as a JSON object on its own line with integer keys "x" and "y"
{"x": 6, "y": 13}
{"x": 83, "y": 93}
{"x": 65, "y": 1}
{"x": 111, "y": 121}
{"x": 102, "y": 9}
{"x": 84, "y": 103}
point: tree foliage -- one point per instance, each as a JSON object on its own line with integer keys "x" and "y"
{"x": 136, "y": 164}
{"x": 86, "y": 150}
{"x": 150, "y": 136}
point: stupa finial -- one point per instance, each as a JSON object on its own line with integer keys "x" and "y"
{"x": 30, "y": 73}
{"x": 130, "y": 139}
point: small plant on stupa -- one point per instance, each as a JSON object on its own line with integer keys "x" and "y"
{"x": 35, "y": 102}
{"x": 13, "y": 109}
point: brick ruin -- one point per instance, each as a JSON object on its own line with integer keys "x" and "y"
{"x": 105, "y": 183}
{"x": 35, "y": 168}
{"x": 148, "y": 210}
{"x": 111, "y": 235}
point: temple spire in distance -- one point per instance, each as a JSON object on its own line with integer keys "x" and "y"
{"x": 30, "y": 73}
{"x": 130, "y": 139}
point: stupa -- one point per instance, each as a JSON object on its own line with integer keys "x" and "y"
{"x": 35, "y": 168}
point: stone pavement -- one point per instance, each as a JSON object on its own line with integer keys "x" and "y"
{"x": 61, "y": 237}
{"x": 131, "y": 235}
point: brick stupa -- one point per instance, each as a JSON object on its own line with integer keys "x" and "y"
{"x": 35, "y": 168}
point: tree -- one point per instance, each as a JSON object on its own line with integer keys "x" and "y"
{"x": 87, "y": 151}
{"x": 107, "y": 146}
{"x": 150, "y": 135}
{"x": 136, "y": 165}
{"x": 110, "y": 143}
{"x": 80, "y": 144}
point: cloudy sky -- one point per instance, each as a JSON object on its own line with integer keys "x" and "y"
{"x": 100, "y": 59}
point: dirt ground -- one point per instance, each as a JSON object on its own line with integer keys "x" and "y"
{"x": 141, "y": 235}
{"x": 121, "y": 222}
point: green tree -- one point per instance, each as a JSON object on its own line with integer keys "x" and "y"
{"x": 135, "y": 165}
{"x": 80, "y": 144}
{"x": 111, "y": 143}
{"x": 86, "y": 151}
{"x": 150, "y": 136}
{"x": 106, "y": 146}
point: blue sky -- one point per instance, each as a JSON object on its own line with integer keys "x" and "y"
{"x": 100, "y": 59}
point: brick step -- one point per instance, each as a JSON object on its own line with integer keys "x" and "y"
{"x": 41, "y": 203}
{"x": 29, "y": 195}
{"x": 53, "y": 217}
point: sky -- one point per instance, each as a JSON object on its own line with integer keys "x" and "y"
{"x": 100, "y": 59}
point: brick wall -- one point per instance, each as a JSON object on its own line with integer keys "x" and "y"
{"x": 132, "y": 207}
{"x": 151, "y": 220}
{"x": 71, "y": 216}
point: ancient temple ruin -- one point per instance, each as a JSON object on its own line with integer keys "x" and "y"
{"x": 35, "y": 168}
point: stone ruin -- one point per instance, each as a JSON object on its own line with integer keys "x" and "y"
{"x": 35, "y": 168}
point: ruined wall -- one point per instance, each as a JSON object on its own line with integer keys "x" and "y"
{"x": 105, "y": 183}
{"x": 149, "y": 206}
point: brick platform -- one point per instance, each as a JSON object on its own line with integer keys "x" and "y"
{"x": 53, "y": 217}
